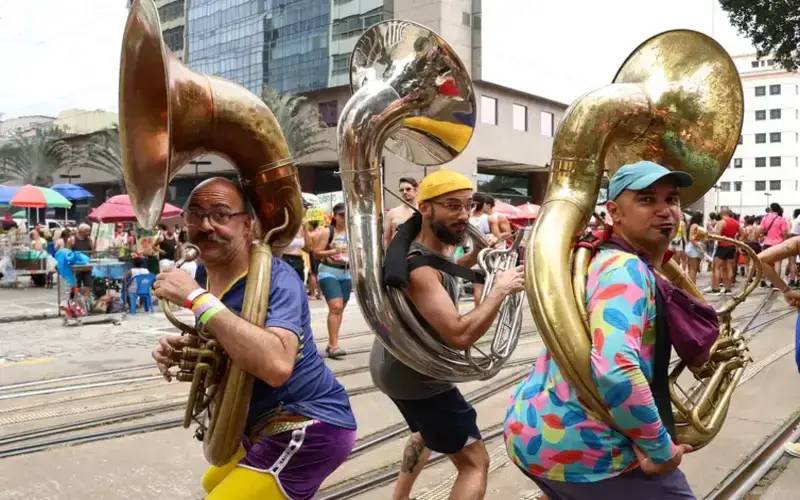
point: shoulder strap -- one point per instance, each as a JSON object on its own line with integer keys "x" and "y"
{"x": 659, "y": 386}
{"x": 445, "y": 266}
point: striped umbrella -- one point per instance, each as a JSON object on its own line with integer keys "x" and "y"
{"x": 38, "y": 197}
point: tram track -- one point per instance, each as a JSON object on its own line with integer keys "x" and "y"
{"x": 750, "y": 471}
{"x": 364, "y": 444}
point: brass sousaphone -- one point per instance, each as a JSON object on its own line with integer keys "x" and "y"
{"x": 168, "y": 116}
{"x": 677, "y": 100}
{"x": 411, "y": 94}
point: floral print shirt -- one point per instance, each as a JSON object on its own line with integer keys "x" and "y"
{"x": 549, "y": 434}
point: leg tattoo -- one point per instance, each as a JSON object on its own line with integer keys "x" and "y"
{"x": 411, "y": 454}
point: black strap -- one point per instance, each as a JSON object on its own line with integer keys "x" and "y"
{"x": 659, "y": 386}
{"x": 445, "y": 266}
{"x": 332, "y": 231}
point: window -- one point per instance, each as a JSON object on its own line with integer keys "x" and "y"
{"x": 546, "y": 124}
{"x": 774, "y": 161}
{"x": 725, "y": 186}
{"x": 741, "y": 139}
{"x": 737, "y": 185}
{"x": 737, "y": 163}
{"x": 519, "y": 116}
{"x": 761, "y": 114}
{"x": 761, "y": 185}
{"x": 761, "y": 138}
{"x": 488, "y": 110}
{"x": 329, "y": 112}
{"x": 774, "y": 137}
{"x": 340, "y": 64}
{"x": 761, "y": 90}
{"x": 774, "y": 114}
{"x": 761, "y": 161}
{"x": 774, "y": 185}
{"x": 775, "y": 89}
{"x": 754, "y": 64}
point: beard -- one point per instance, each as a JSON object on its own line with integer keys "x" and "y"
{"x": 446, "y": 235}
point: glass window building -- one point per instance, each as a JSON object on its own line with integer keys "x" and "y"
{"x": 291, "y": 45}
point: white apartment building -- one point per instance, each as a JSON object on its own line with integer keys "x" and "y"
{"x": 765, "y": 167}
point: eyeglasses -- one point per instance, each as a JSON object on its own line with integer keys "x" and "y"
{"x": 407, "y": 189}
{"x": 338, "y": 214}
{"x": 455, "y": 206}
{"x": 217, "y": 216}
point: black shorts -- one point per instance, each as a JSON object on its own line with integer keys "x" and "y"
{"x": 445, "y": 421}
{"x": 314, "y": 265}
{"x": 725, "y": 253}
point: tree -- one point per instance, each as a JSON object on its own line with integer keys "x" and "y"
{"x": 102, "y": 153}
{"x": 300, "y": 122}
{"x": 34, "y": 159}
{"x": 772, "y": 25}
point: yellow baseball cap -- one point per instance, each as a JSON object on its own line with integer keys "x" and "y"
{"x": 441, "y": 182}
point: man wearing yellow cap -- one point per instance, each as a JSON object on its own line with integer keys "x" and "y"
{"x": 435, "y": 411}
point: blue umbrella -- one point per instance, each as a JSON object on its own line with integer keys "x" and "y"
{"x": 71, "y": 191}
{"x": 6, "y": 193}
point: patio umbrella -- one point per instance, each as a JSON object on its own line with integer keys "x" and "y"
{"x": 72, "y": 191}
{"x": 510, "y": 211}
{"x": 6, "y": 193}
{"x": 38, "y": 197}
{"x": 527, "y": 211}
{"x": 118, "y": 209}
{"x": 18, "y": 214}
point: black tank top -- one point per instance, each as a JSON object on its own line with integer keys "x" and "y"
{"x": 82, "y": 245}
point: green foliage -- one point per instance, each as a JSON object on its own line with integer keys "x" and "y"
{"x": 102, "y": 153}
{"x": 772, "y": 25}
{"x": 35, "y": 159}
{"x": 299, "y": 120}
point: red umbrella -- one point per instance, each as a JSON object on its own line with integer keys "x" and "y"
{"x": 510, "y": 211}
{"x": 118, "y": 209}
{"x": 527, "y": 211}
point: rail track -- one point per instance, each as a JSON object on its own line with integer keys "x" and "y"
{"x": 742, "y": 479}
{"x": 32, "y": 440}
{"x": 30, "y": 445}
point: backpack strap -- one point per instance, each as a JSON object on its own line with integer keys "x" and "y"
{"x": 445, "y": 266}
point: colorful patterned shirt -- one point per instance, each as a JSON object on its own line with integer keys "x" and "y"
{"x": 548, "y": 432}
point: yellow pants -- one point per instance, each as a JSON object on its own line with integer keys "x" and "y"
{"x": 230, "y": 482}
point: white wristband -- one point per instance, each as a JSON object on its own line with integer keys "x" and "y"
{"x": 195, "y": 293}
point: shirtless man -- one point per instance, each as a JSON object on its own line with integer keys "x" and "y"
{"x": 498, "y": 223}
{"x": 398, "y": 215}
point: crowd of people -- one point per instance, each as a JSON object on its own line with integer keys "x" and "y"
{"x": 696, "y": 253}
{"x": 326, "y": 270}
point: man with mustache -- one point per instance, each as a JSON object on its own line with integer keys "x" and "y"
{"x": 435, "y": 411}
{"x": 566, "y": 449}
{"x": 300, "y": 427}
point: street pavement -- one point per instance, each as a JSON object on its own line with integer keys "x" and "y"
{"x": 170, "y": 462}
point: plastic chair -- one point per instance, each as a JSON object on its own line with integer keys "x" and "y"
{"x": 144, "y": 287}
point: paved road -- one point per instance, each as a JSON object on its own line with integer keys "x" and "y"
{"x": 170, "y": 463}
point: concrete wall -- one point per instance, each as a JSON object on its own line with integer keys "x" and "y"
{"x": 82, "y": 121}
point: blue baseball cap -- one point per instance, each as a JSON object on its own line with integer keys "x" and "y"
{"x": 642, "y": 174}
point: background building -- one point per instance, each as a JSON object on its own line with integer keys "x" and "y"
{"x": 303, "y": 46}
{"x": 172, "y": 14}
{"x": 766, "y": 165}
